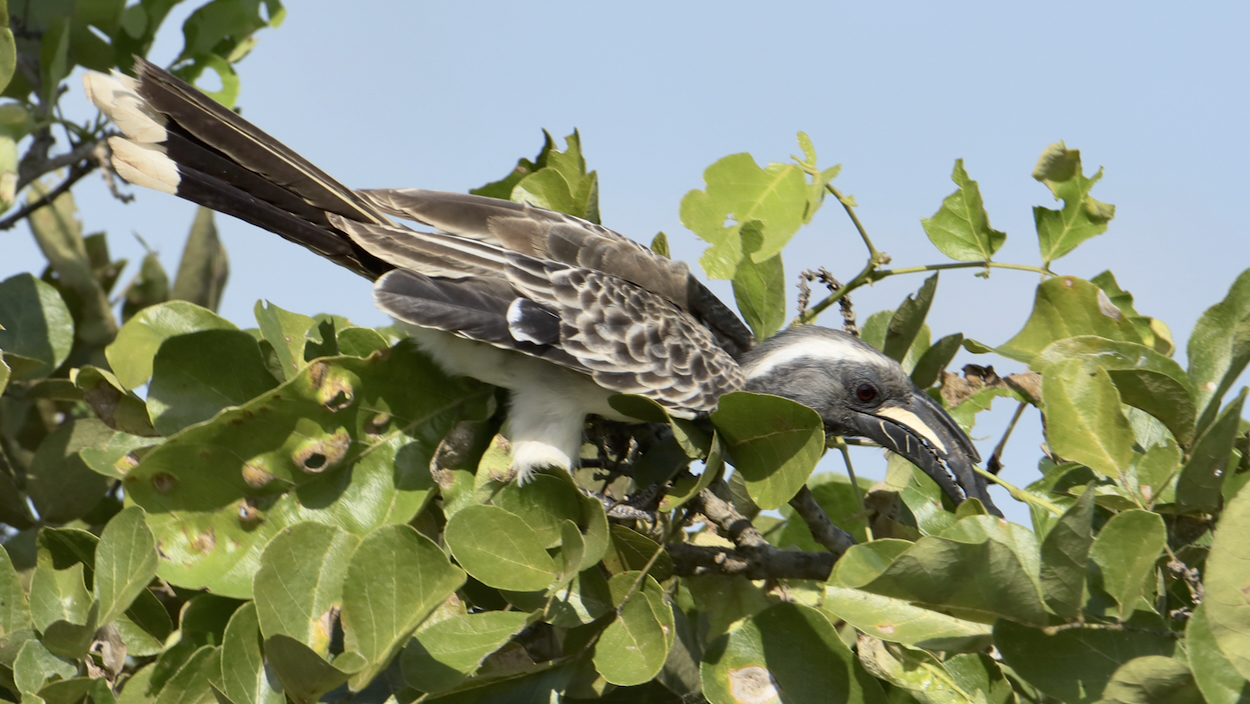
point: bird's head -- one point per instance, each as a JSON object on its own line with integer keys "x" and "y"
{"x": 858, "y": 391}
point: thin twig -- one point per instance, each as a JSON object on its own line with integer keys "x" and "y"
{"x": 873, "y": 254}
{"x": 994, "y": 464}
{"x": 831, "y": 537}
{"x": 75, "y": 175}
{"x": 84, "y": 151}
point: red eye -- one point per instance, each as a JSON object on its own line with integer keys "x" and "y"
{"x": 866, "y": 393}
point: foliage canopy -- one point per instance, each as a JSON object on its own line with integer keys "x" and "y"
{"x": 311, "y": 510}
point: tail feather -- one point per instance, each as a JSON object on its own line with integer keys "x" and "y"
{"x": 179, "y": 141}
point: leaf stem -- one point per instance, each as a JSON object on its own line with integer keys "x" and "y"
{"x": 964, "y": 265}
{"x": 872, "y": 274}
{"x": 873, "y": 254}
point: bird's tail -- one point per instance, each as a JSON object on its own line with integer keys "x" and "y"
{"x": 178, "y": 140}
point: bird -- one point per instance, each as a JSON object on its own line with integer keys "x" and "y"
{"x": 562, "y": 312}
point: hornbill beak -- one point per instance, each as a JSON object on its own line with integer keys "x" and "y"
{"x": 919, "y": 429}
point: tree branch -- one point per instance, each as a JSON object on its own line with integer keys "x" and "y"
{"x": 831, "y": 537}
{"x": 758, "y": 563}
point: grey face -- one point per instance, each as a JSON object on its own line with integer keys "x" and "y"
{"x": 860, "y": 392}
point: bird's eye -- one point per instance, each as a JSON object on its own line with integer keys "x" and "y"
{"x": 866, "y": 393}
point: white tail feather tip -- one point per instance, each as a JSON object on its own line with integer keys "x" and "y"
{"x": 144, "y": 165}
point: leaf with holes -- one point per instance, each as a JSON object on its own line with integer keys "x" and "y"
{"x": 347, "y": 442}
{"x": 786, "y": 648}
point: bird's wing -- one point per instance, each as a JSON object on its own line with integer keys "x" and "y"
{"x": 511, "y": 275}
{"x": 548, "y": 235}
{"x": 627, "y": 338}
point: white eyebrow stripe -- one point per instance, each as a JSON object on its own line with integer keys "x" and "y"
{"x": 819, "y": 348}
{"x": 912, "y": 422}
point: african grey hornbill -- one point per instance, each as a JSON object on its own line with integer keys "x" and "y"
{"x": 562, "y": 312}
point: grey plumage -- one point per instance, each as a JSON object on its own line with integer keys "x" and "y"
{"x": 563, "y": 312}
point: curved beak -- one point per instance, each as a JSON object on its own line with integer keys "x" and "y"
{"x": 923, "y": 432}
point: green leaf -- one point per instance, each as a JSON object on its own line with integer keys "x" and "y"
{"x": 59, "y": 483}
{"x": 244, "y": 678}
{"x": 632, "y": 551}
{"x": 59, "y": 235}
{"x": 444, "y": 654}
{"x": 1227, "y": 583}
{"x": 1219, "y": 348}
{"x": 1219, "y": 682}
{"x": 36, "y": 330}
{"x": 1084, "y": 422}
{"x": 1065, "y": 307}
{"x": 503, "y": 188}
{"x": 14, "y": 606}
{"x": 189, "y": 685}
{"x": 287, "y": 332}
{"x": 544, "y": 503}
{"x": 149, "y": 287}
{"x": 1150, "y": 679}
{"x": 196, "y": 375}
{"x": 739, "y": 191}
{"x": 1082, "y": 217}
{"x": 876, "y": 329}
{"x": 125, "y": 561}
{"x": 923, "y": 675}
{"x": 561, "y": 182}
{"x": 774, "y": 442}
{"x": 760, "y": 287}
{"x": 899, "y": 621}
{"x": 961, "y": 228}
{"x": 659, "y": 245}
{"x": 360, "y": 342}
{"x": 145, "y": 626}
{"x": 34, "y": 665}
{"x": 934, "y": 361}
{"x": 499, "y": 549}
{"x": 299, "y": 585}
{"x": 131, "y": 354}
{"x": 633, "y": 647}
{"x": 397, "y": 577}
{"x": 54, "y": 58}
{"x": 1073, "y": 665}
{"x": 1202, "y": 478}
{"x": 304, "y": 674}
{"x": 788, "y": 649}
{"x": 908, "y": 320}
{"x": 8, "y": 58}
{"x": 1144, "y": 378}
{"x": 1125, "y": 551}
{"x": 347, "y": 442}
{"x": 119, "y": 409}
{"x": 1065, "y": 553}
{"x": 977, "y": 570}
{"x": 1154, "y": 333}
{"x": 62, "y": 609}
{"x": 686, "y": 488}
{"x": 204, "y": 267}
{"x": 569, "y": 604}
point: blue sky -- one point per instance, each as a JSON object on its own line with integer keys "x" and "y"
{"x": 449, "y": 95}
